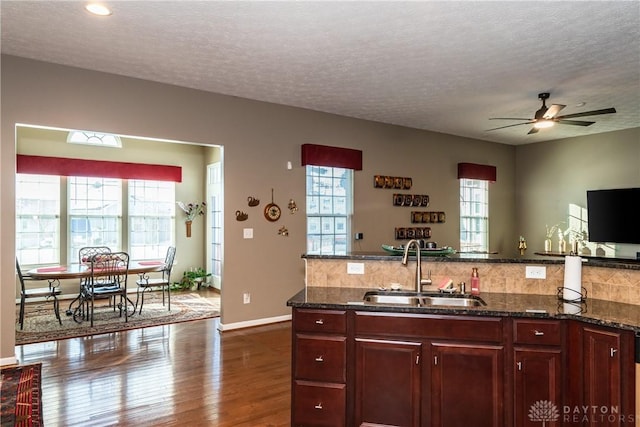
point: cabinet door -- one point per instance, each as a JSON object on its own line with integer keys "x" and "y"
{"x": 538, "y": 387}
{"x": 387, "y": 389}
{"x": 602, "y": 374}
{"x": 467, "y": 385}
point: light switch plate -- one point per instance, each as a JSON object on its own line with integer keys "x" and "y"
{"x": 247, "y": 233}
{"x": 535, "y": 272}
{"x": 355, "y": 268}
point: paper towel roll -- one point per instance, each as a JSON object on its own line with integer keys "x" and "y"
{"x": 572, "y": 278}
{"x": 571, "y": 308}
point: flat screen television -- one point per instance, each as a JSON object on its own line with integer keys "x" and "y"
{"x": 614, "y": 215}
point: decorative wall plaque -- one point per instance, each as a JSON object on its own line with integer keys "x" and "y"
{"x": 415, "y": 200}
{"x": 397, "y": 182}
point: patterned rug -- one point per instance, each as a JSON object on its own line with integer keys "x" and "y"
{"x": 40, "y": 323}
{"x": 20, "y": 394}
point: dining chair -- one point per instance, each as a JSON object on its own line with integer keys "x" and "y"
{"x": 108, "y": 279}
{"x": 164, "y": 282}
{"x": 48, "y": 292}
{"x": 84, "y": 257}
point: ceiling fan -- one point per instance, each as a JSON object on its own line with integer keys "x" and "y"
{"x": 547, "y": 116}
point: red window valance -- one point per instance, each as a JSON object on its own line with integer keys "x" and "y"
{"x": 323, "y": 155}
{"x": 62, "y": 166}
{"x": 475, "y": 171}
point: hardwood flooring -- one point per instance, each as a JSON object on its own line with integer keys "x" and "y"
{"x": 185, "y": 374}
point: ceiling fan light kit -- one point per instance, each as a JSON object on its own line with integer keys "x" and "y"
{"x": 547, "y": 117}
{"x": 543, "y": 124}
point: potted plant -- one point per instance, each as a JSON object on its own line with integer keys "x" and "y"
{"x": 191, "y": 279}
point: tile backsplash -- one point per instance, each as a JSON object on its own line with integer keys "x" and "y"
{"x": 620, "y": 285}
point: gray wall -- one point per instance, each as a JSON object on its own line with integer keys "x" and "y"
{"x": 551, "y": 175}
{"x": 257, "y": 139}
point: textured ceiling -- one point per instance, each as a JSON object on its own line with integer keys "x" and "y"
{"x": 444, "y": 66}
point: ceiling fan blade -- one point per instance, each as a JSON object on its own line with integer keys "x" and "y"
{"x": 588, "y": 113}
{"x": 533, "y": 130}
{"x": 508, "y": 118}
{"x": 574, "y": 122}
{"x": 553, "y": 110}
{"x": 508, "y": 126}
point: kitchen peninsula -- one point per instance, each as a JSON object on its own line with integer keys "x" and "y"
{"x": 358, "y": 363}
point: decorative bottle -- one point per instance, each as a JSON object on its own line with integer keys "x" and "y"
{"x": 475, "y": 282}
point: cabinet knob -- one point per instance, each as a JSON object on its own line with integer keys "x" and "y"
{"x": 538, "y": 333}
{"x": 519, "y": 364}
{"x": 318, "y": 406}
{"x": 320, "y": 359}
{"x": 613, "y": 351}
{"x": 319, "y": 322}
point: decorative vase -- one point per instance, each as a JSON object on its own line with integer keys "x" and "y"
{"x": 188, "y": 228}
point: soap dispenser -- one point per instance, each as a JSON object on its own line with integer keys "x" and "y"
{"x": 475, "y": 282}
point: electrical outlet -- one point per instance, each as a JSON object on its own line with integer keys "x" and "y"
{"x": 535, "y": 272}
{"x": 246, "y": 298}
{"x": 355, "y": 268}
{"x": 358, "y": 236}
{"x": 247, "y": 233}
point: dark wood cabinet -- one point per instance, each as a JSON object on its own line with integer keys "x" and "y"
{"x": 467, "y": 386}
{"x": 607, "y": 373}
{"x": 537, "y": 367}
{"x": 425, "y": 370}
{"x": 319, "y": 368}
{"x": 537, "y": 380}
{"x": 387, "y": 382}
{"x": 373, "y": 368}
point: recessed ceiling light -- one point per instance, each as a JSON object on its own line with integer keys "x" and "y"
{"x": 581, "y": 104}
{"x": 98, "y": 9}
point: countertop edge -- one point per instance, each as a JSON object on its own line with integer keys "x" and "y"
{"x": 551, "y": 259}
{"x": 299, "y": 301}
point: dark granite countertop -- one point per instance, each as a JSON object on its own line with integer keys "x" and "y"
{"x": 600, "y": 312}
{"x": 619, "y": 263}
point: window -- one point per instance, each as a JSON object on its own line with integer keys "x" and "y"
{"x": 95, "y": 213}
{"x": 151, "y": 218}
{"x": 38, "y": 219}
{"x": 94, "y": 138}
{"x": 93, "y": 216}
{"x": 474, "y": 215}
{"x": 329, "y": 209}
{"x": 214, "y": 177}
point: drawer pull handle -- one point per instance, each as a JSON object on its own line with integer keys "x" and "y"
{"x": 319, "y": 359}
{"x": 319, "y": 322}
{"x": 538, "y": 333}
{"x": 318, "y": 406}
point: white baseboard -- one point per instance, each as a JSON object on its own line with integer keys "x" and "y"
{"x": 250, "y": 323}
{"x": 8, "y": 361}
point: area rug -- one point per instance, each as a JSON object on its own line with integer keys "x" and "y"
{"x": 20, "y": 394}
{"x": 40, "y": 323}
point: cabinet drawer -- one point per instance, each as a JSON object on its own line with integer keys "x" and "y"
{"x": 528, "y": 331}
{"x": 319, "y": 404}
{"x": 327, "y": 321}
{"x": 321, "y": 358}
{"x": 473, "y": 328}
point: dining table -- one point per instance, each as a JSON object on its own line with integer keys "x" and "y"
{"x": 55, "y": 273}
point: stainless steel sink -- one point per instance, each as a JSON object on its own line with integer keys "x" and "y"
{"x": 390, "y": 299}
{"x": 414, "y": 299}
{"x": 461, "y": 301}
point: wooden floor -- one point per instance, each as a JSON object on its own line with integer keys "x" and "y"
{"x": 185, "y": 374}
